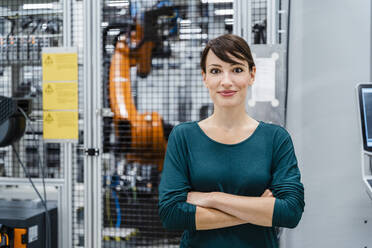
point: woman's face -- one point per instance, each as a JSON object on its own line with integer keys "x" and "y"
{"x": 227, "y": 83}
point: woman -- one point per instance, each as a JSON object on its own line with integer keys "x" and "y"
{"x": 229, "y": 180}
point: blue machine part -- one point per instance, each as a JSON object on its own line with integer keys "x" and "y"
{"x": 166, "y": 3}
{"x": 117, "y": 205}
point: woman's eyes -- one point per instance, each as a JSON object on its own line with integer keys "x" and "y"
{"x": 214, "y": 71}
{"x": 236, "y": 69}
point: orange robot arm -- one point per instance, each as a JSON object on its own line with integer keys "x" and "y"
{"x": 145, "y": 142}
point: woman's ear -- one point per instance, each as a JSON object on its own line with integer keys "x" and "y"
{"x": 252, "y": 74}
{"x": 204, "y": 78}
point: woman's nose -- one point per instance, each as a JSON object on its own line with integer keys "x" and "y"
{"x": 226, "y": 80}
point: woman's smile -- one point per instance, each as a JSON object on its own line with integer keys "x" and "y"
{"x": 227, "y": 93}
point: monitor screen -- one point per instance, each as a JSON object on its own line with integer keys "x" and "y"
{"x": 365, "y": 106}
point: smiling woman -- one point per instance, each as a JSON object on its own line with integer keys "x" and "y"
{"x": 227, "y": 80}
{"x": 228, "y": 70}
{"x": 229, "y": 180}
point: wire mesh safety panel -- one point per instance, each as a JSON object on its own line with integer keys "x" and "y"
{"x": 78, "y": 152}
{"x": 261, "y": 14}
{"x": 26, "y": 27}
{"x": 151, "y": 82}
{"x": 269, "y": 43}
{"x": 24, "y": 31}
{"x": 259, "y": 21}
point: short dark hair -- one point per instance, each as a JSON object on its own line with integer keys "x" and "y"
{"x": 228, "y": 44}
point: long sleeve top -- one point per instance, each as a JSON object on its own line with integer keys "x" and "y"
{"x": 195, "y": 162}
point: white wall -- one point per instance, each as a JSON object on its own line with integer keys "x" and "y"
{"x": 330, "y": 53}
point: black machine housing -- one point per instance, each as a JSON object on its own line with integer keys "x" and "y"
{"x": 29, "y": 215}
{"x": 12, "y": 121}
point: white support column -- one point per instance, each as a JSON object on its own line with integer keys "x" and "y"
{"x": 271, "y": 22}
{"x": 237, "y": 27}
{"x": 97, "y": 124}
{"x": 67, "y": 189}
{"x": 67, "y": 211}
{"x": 67, "y": 33}
{"x": 88, "y": 129}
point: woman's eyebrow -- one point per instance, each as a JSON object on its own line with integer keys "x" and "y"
{"x": 236, "y": 63}
{"x": 215, "y": 65}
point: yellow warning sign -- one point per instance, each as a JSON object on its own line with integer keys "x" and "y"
{"x": 60, "y": 125}
{"x": 60, "y": 67}
{"x": 60, "y": 96}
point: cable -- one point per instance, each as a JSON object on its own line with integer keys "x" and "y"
{"x": 40, "y": 164}
{"x": 42, "y": 169}
{"x": 117, "y": 205}
{"x": 37, "y": 192}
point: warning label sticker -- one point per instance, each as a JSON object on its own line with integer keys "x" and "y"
{"x": 32, "y": 234}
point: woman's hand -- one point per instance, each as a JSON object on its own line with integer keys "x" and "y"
{"x": 201, "y": 199}
{"x": 267, "y": 193}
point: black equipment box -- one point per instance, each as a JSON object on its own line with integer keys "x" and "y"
{"x": 29, "y": 215}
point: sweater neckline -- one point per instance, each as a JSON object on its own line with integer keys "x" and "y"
{"x": 260, "y": 123}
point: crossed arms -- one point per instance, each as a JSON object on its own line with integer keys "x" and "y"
{"x": 181, "y": 208}
{"x": 218, "y": 209}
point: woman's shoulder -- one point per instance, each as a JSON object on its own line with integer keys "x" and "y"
{"x": 183, "y": 128}
{"x": 275, "y": 130}
{"x": 185, "y": 124}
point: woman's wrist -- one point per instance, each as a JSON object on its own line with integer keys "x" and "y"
{"x": 213, "y": 199}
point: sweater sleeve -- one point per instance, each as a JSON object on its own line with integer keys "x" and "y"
{"x": 175, "y": 213}
{"x": 286, "y": 183}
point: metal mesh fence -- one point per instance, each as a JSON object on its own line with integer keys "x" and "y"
{"x": 26, "y": 27}
{"x": 78, "y": 232}
{"x": 260, "y": 17}
{"x": 151, "y": 82}
{"x": 78, "y": 198}
{"x": 24, "y": 31}
{"x": 259, "y": 21}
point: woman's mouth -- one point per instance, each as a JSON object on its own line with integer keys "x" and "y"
{"x": 227, "y": 93}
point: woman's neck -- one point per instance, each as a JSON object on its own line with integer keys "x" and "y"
{"x": 230, "y": 118}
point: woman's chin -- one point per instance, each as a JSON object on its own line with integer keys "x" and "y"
{"x": 228, "y": 105}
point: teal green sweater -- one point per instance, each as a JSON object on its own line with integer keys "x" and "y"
{"x": 195, "y": 162}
